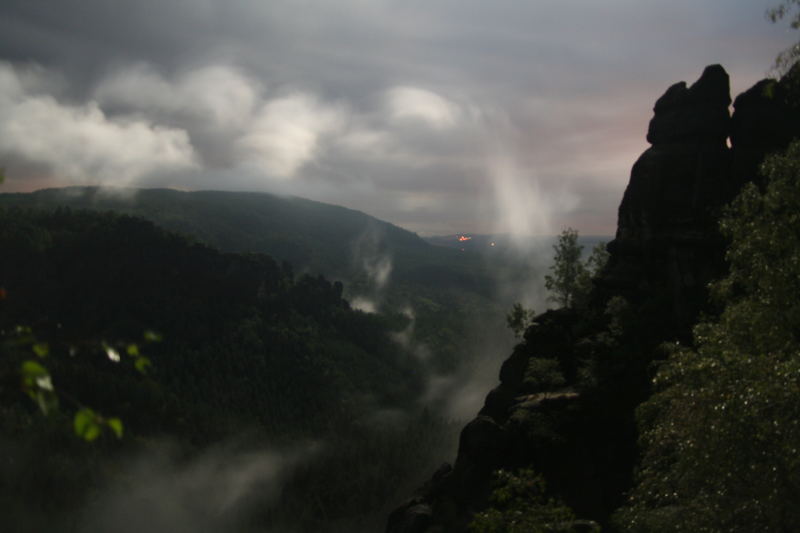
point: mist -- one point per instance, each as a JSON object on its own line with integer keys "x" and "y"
{"x": 218, "y": 491}
{"x": 374, "y": 264}
{"x": 459, "y": 395}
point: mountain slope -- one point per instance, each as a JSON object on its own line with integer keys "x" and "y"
{"x": 449, "y": 293}
{"x": 311, "y": 236}
{"x": 249, "y": 352}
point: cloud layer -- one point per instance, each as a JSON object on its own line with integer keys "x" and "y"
{"x": 402, "y": 109}
{"x": 80, "y": 143}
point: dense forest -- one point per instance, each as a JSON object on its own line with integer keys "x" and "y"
{"x": 381, "y": 266}
{"x": 248, "y": 350}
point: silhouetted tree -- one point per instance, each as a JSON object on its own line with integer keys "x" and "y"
{"x": 570, "y": 280}
{"x": 787, "y": 9}
{"x": 567, "y": 269}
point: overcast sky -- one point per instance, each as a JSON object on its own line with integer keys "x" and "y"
{"x": 439, "y": 116}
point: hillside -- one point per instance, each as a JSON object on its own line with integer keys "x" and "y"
{"x": 452, "y": 295}
{"x": 250, "y": 351}
{"x": 312, "y": 236}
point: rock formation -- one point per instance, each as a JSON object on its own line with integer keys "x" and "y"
{"x": 667, "y": 240}
{"x": 565, "y": 404}
{"x": 766, "y": 118}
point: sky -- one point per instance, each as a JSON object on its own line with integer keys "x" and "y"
{"x": 452, "y": 116}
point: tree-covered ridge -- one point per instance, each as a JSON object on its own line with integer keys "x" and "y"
{"x": 248, "y": 347}
{"x": 721, "y": 433}
{"x": 106, "y": 276}
{"x": 311, "y": 236}
{"x": 448, "y": 291}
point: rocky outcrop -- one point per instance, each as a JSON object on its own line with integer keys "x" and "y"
{"x": 667, "y": 245}
{"x": 559, "y": 432}
{"x": 566, "y": 400}
{"x": 765, "y": 119}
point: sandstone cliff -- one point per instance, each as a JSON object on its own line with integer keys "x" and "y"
{"x": 565, "y": 404}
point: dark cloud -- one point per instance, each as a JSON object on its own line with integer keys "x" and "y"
{"x": 455, "y": 115}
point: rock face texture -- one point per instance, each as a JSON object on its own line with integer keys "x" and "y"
{"x": 766, "y": 118}
{"x": 667, "y": 240}
{"x": 565, "y": 404}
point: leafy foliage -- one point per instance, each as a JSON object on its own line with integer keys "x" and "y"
{"x": 787, "y": 9}
{"x": 519, "y": 504}
{"x": 19, "y": 343}
{"x": 570, "y": 278}
{"x": 543, "y": 374}
{"x": 519, "y": 319}
{"x": 567, "y": 269}
{"x": 721, "y": 433}
{"x": 593, "y": 265}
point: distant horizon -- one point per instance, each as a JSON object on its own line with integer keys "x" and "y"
{"x": 423, "y": 235}
{"x": 549, "y": 235}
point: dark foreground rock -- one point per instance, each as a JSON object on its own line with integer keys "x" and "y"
{"x": 567, "y": 394}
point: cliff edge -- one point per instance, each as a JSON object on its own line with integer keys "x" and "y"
{"x": 567, "y": 395}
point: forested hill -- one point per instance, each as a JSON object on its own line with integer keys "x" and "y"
{"x": 312, "y": 236}
{"x": 242, "y": 335}
{"x": 247, "y": 347}
{"x": 382, "y": 267}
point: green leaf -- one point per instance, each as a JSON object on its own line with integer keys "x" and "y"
{"x": 41, "y": 349}
{"x": 32, "y": 370}
{"x": 116, "y": 426}
{"x": 86, "y": 424}
{"x": 152, "y": 336}
{"x": 83, "y": 417}
{"x": 141, "y": 364}
{"x": 132, "y": 350}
